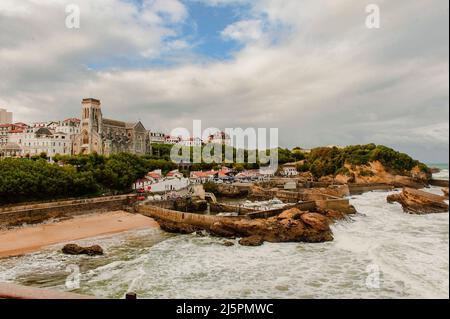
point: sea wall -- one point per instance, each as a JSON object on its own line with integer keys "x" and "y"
{"x": 356, "y": 189}
{"x": 37, "y": 213}
{"x": 439, "y": 182}
{"x": 202, "y": 221}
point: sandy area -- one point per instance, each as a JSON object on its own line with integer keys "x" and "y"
{"x": 28, "y": 239}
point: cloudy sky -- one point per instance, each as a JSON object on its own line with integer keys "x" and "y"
{"x": 310, "y": 68}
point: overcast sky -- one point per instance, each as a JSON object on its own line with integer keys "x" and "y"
{"x": 310, "y": 68}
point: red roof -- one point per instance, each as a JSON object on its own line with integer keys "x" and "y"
{"x": 21, "y": 124}
{"x": 203, "y": 174}
{"x": 154, "y": 175}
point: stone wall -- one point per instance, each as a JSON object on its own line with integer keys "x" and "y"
{"x": 203, "y": 221}
{"x": 37, "y": 213}
{"x": 439, "y": 182}
{"x": 356, "y": 189}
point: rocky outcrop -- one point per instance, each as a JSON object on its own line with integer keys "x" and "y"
{"x": 251, "y": 241}
{"x": 419, "y": 202}
{"x": 178, "y": 228}
{"x": 228, "y": 243}
{"x": 327, "y": 179}
{"x": 290, "y": 226}
{"x": 344, "y": 179}
{"x": 74, "y": 249}
{"x": 375, "y": 172}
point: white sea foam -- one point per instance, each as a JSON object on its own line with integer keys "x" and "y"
{"x": 410, "y": 251}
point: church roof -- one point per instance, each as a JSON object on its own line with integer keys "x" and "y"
{"x": 114, "y": 123}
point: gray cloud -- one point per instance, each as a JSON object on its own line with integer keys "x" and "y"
{"x": 314, "y": 70}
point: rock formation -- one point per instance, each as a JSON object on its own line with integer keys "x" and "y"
{"x": 419, "y": 202}
{"x": 292, "y": 225}
{"x": 74, "y": 249}
{"x": 375, "y": 172}
{"x": 254, "y": 240}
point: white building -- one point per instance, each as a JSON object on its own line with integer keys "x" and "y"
{"x": 156, "y": 137}
{"x": 7, "y": 129}
{"x": 289, "y": 170}
{"x": 192, "y": 141}
{"x": 5, "y": 117}
{"x": 35, "y": 141}
{"x": 71, "y": 127}
{"x": 172, "y": 139}
{"x": 160, "y": 186}
{"x": 267, "y": 171}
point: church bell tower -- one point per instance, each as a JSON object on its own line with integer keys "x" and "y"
{"x": 91, "y": 125}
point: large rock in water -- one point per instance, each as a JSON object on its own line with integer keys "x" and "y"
{"x": 290, "y": 226}
{"x": 74, "y": 249}
{"x": 419, "y": 202}
{"x": 254, "y": 240}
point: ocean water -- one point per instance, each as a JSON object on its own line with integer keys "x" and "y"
{"x": 381, "y": 252}
{"x": 443, "y": 174}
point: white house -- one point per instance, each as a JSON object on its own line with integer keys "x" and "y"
{"x": 175, "y": 174}
{"x": 267, "y": 171}
{"x": 172, "y": 140}
{"x": 156, "y": 137}
{"x": 192, "y": 141}
{"x": 160, "y": 186}
{"x": 289, "y": 170}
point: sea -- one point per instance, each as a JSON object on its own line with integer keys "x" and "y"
{"x": 381, "y": 252}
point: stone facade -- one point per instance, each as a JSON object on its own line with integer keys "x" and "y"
{"x": 105, "y": 136}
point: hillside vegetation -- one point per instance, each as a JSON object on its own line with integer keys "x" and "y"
{"x": 325, "y": 161}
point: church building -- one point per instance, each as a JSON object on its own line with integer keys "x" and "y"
{"x": 105, "y": 136}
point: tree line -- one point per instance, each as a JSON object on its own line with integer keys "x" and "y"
{"x": 34, "y": 178}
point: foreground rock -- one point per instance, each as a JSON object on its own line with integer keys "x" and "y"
{"x": 73, "y": 249}
{"x": 251, "y": 241}
{"x": 419, "y": 202}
